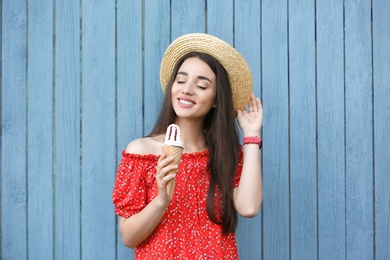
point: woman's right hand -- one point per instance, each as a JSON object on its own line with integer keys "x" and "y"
{"x": 162, "y": 178}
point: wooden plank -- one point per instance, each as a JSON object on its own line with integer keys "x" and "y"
{"x": 157, "y": 39}
{"x": 14, "y": 132}
{"x": 276, "y": 243}
{"x": 381, "y": 52}
{"x": 359, "y": 148}
{"x": 129, "y": 84}
{"x": 247, "y": 42}
{"x": 220, "y": 20}
{"x": 130, "y": 78}
{"x": 67, "y": 131}
{"x": 98, "y": 130}
{"x": 303, "y": 175}
{"x": 40, "y": 129}
{"x": 187, "y": 16}
{"x": 331, "y": 140}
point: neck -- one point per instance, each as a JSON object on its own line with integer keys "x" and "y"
{"x": 192, "y": 135}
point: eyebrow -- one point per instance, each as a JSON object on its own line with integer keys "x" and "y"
{"x": 199, "y": 77}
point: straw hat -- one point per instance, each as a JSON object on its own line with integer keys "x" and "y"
{"x": 240, "y": 76}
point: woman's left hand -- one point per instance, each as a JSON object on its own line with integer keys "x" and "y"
{"x": 251, "y": 121}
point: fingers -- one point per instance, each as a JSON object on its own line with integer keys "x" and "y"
{"x": 254, "y": 104}
{"x": 163, "y": 167}
{"x": 165, "y": 172}
{"x": 258, "y": 103}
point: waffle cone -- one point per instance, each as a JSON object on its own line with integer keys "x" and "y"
{"x": 176, "y": 152}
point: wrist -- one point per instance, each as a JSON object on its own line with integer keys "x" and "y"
{"x": 251, "y": 133}
{"x": 253, "y": 140}
{"x": 161, "y": 204}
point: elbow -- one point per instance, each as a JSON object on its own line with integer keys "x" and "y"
{"x": 249, "y": 212}
{"x": 129, "y": 243}
{"x": 129, "y": 240}
{"x": 127, "y": 236}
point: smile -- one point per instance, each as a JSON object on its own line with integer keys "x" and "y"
{"x": 186, "y": 102}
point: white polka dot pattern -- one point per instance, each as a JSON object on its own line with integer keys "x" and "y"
{"x": 185, "y": 231}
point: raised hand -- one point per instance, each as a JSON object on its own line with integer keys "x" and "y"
{"x": 251, "y": 120}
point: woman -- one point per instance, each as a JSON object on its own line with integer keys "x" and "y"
{"x": 206, "y": 81}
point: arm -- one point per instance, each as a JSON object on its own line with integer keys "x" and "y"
{"x": 138, "y": 227}
{"x": 249, "y": 193}
{"x": 248, "y": 196}
{"x": 135, "y": 229}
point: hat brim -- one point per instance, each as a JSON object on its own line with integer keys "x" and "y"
{"x": 238, "y": 71}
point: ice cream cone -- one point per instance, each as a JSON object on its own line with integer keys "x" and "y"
{"x": 173, "y": 146}
{"x": 176, "y": 152}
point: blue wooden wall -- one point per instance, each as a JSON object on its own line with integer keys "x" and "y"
{"x": 80, "y": 79}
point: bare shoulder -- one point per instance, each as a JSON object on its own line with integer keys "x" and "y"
{"x": 146, "y": 145}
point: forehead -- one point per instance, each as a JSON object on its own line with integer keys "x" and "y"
{"x": 196, "y": 66}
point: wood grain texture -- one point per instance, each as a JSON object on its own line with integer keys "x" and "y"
{"x": 359, "y": 130}
{"x": 14, "y": 131}
{"x": 129, "y": 72}
{"x": 381, "y": 68}
{"x": 247, "y": 42}
{"x": 220, "y": 20}
{"x": 156, "y": 40}
{"x": 187, "y": 17}
{"x": 129, "y": 119}
{"x": 98, "y": 130}
{"x": 80, "y": 80}
{"x": 330, "y": 131}
{"x": 302, "y": 102}
{"x": 276, "y": 228}
{"x": 67, "y": 98}
{"x": 40, "y": 130}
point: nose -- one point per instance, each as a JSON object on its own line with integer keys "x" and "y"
{"x": 187, "y": 88}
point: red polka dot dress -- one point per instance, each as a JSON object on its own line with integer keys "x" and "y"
{"x": 185, "y": 231}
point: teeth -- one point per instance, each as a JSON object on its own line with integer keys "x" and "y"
{"x": 186, "y": 102}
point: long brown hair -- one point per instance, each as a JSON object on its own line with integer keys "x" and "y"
{"x": 222, "y": 141}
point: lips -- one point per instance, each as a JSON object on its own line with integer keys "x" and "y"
{"x": 186, "y": 102}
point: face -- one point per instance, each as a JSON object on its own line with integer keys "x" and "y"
{"x": 194, "y": 89}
